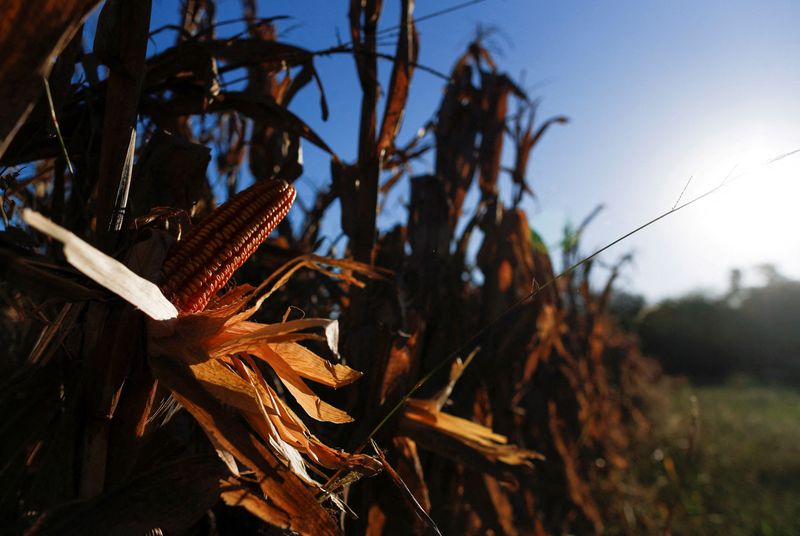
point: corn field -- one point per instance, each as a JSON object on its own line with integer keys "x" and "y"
{"x": 378, "y": 388}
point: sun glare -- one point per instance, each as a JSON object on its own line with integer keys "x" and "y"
{"x": 754, "y": 214}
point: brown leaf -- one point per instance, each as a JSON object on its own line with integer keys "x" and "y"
{"x": 261, "y": 109}
{"x": 462, "y": 440}
{"x": 286, "y": 492}
{"x": 270, "y": 112}
{"x": 236, "y": 53}
{"x": 291, "y": 430}
{"x": 578, "y": 488}
{"x": 400, "y": 82}
{"x": 495, "y": 90}
{"x": 105, "y": 270}
{"x": 309, "y": 365}
{"x": 306, "y": 74}
{"x": 32, "y": 34}
{"x": 236, "y": 493}
{"x": 310, "y": 402}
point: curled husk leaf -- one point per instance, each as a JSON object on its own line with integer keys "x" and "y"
{"x": 224, "y": 352}
{"x": 218, "y": 347}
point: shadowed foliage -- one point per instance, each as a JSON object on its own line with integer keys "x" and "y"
{"x": 265, "y": 403}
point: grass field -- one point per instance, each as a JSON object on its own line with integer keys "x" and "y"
{"x": 726, "y": 459}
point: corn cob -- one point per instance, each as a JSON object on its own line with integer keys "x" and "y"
{"x": 202, "y": 263}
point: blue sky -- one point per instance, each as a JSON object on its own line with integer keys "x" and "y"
{"x": 657, "y": 91}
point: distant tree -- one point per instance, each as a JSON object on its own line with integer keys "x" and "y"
{"x": 749, "y": 330}
{"x": 771, "y": 274}
{"x": 773, "y": 311}
{"x": 692, "y": 336}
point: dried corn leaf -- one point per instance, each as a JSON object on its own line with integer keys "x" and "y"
{"x": 105, "y": 270}
{"x": 188, "y": 339}
{"x": 578, "y": 488}
{"x": 271, "y": 113}
{"x": 463, "y": 440}
{"x": 32, "y": 34}
{"x": 226, "y": 386}
{"x": 310, "y": 402}
{"x": 292, "y": 430}
{"x": 240, "y": 333}
{"x": 263, "y": 109}
{"x": 255, "y": 397}
{"x": 309, "y": 365}
{"x": 284, "y": 490}
{"x": 301, "y": 80}
{"x": 524, "y": 141}
{"x": 271, "y": 55}
{"x": 400, "y": 81}
{"x": 426, "y": 412}
{"x": 246, "y": 390}
{"x": 274, "y": 433}
{"x": 235, "y": 493}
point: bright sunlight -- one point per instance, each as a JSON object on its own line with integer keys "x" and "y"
{"x": 752, "y": 213}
